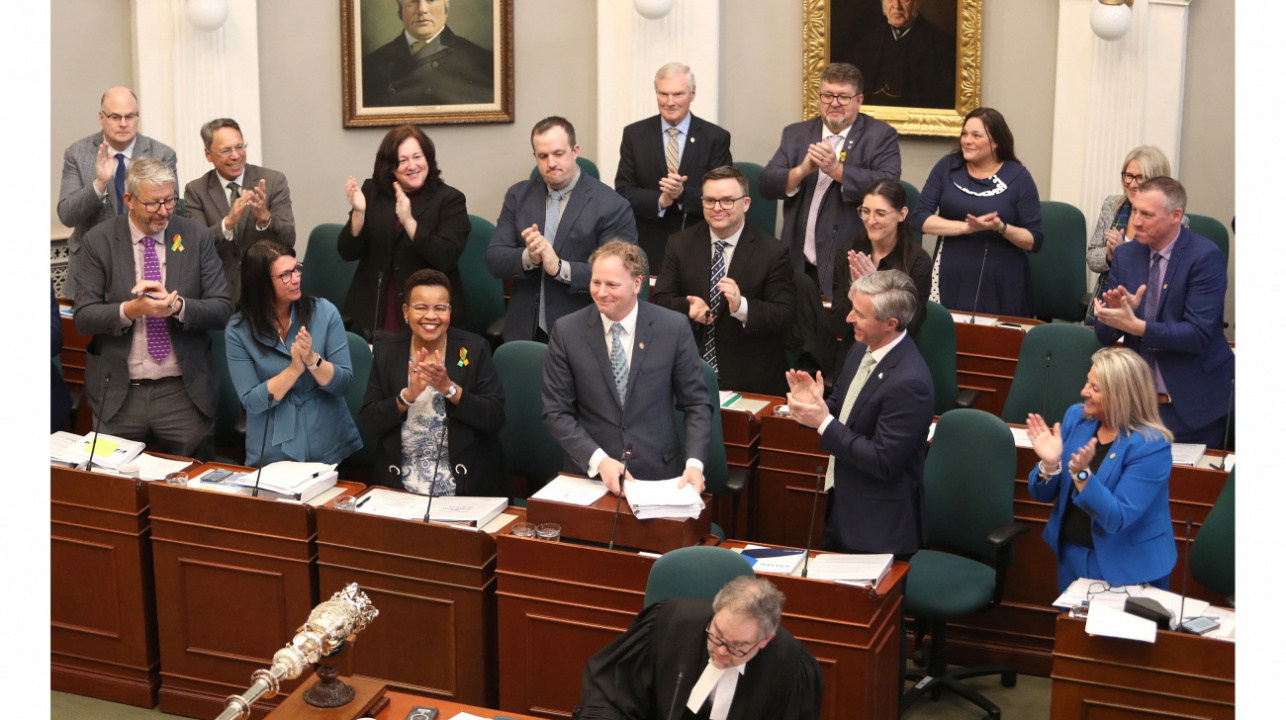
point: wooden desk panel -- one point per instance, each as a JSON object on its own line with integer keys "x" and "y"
{"x": 1180, "y": 676}
{"x": 594, "y": 524}
{"x": 986, "y": 358}
{"x": 396, "y": 705}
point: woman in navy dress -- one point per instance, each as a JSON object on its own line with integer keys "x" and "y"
{"x": 981, "y": 202}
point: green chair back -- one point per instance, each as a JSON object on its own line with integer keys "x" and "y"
{"x": 1052, "y": 366}
{"x": 585, "y": 163}
{"x": 328, "y": 274}
{"x": 763, "y": 211}
{"x": 716, "y": 465}
{"x": 698, "y": 572}
{"x": 646, "y": 290}
{"x": 484, "y": 294}
{"x": 230, "y": 415}
{"x": 912, "y": 197}
{"x": 1058, "y": 270}
{"x": 531, "y": 451}
{"x": 1214, "y": 550}
{"x": 969, "y": 481}
{"x": 938, "y": 348}
{"x": 1212, "y": 229}
{"x": 360, "y": 354}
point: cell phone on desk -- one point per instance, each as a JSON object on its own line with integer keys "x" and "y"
{"x": 217, "y": 475}
{"x": 1201, "y": 625}
{"x": 420, "y": 712}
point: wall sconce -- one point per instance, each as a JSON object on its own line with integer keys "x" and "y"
{"x": 208, "y": 15}
{"x": 653, "y": 9}
{"x": 1110, "y": 19}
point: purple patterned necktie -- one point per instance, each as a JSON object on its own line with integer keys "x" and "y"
{"x": 158, "y": 336}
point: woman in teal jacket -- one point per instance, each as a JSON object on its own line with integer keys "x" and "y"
{"x": 1106, "y": 468}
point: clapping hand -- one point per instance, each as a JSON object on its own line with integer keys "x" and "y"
{"x": 978, "y": 223}
{"x": 436, "y": 372}
{"x": 671, "y": 187}
{"x": 698, "y": 310}
{"x": 161, "y": 303}
{"x": 731, "y": 293}
{"x": 417, "y": 378}
{"x": 1047, "y": 443}
{"x": 103, "y": 166}
{"x": 355, "y": 197}
{"x": 1080, "y": 460}
{"x": 258, "y": 198}
{"x": 1114, "y": 238}
{"x": 859, "y": 265}
{"x": 1116, "y": 310}
{"x": 304, "y": 342}
{"x": 805, "y": 398}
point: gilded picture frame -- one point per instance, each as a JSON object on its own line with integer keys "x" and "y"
{"x": 426, "y": 62}
{"x": 840, "y": 31}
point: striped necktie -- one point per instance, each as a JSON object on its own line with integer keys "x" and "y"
{"x": 672, "y": 150}
{"x": 717, "y": 272}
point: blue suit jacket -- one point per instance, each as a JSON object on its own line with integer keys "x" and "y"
{"x": 870, "y": 152}
{"x": 1187, "y": 335}
{"x": 583, "y": 412}
{"x": 593, "y": 215}
{"x": 879, "y": 452}
{"x": 1128, "y": 500}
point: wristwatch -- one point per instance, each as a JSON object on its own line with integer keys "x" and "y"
{"x": 451, "y": 391}
{"x": 1083, "y": 475}
{"x": 317, "y": 364}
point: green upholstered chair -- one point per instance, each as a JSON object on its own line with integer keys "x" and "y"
{"x": 700, "y": 572}
{"x": 763, "y": 211}
{"x": 1058, "y": 270}
{"x": 1212, "y": 229}
{"x": 720, "y": 479}
{"x": 328, "y": 275}
{"x": 362, "y": 358}
{"x": 1052, "y": 366}
{"x": 969, "y": 495}
{"x": 937, "y": 346}
{"x": 646, "y": 290}
{"x": 1214, "y": 550}
{"x": 230, "y": 415}
{"x": 585, "y": 163}
{"x": 912, "y": 197}
{"x": 531, "y": 451}
{"x": 484, "y": 294}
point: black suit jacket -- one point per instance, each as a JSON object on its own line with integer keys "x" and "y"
{"x": 476, "y": 456}
{"x": 452, "y": 72}
{"x": 752, "y": 358}
{"x": 642, "y": 166}
{"x": 879, "y": 454}
{"x": 386, "y": 254}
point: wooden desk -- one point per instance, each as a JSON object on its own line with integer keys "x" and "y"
{"x": 398, "y": 705}
{"x": 435, "y": 588}
{"x": 74, "y": 358}
{"x": 560, "y": 603}
{"x": 987, "y": 356}
{"x": 594, "y": 524}
{"x": 741, "y": 444}
{"x": 788, "y": 462}
{"x": 1181, "y": 676}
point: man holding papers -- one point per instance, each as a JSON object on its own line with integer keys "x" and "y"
{"x": 614, "y": 375}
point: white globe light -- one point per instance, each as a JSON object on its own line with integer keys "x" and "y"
{"x": 207, "y": 14}
{"x": 653, "y": 9}
{"x": 1110, "y": 22}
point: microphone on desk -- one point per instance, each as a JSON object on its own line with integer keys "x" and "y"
{"x": 625, "y": 468}
{"x": 678, "y": 683}
{"x": 263, "y": 447}
{"x": 433, "y": 483}
{"x": 812, "y": 521}
{"x": 379, "y": 299}
{"x": 978, "y": 293}
{"x": 1227, "y": 421}
{"x": 1187, "y": 568}
{"x": 1044, "y": 404}
{"x": 98, "y": 421}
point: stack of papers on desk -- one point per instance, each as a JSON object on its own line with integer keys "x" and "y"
{"x": 1110, "y": 622}
{"x": 110, "y": 452}
{"x": 1187, "y": 453}
{"x": 465, "y": 511}
{"x": 857, "y": 569}
{"x": 572, "y": 490}
{"x": 971, "y": 319}
{"x": 782, "y": 561}
{"x": 1096, "y": 593}
{"x": 663, "y": 499}
{"x": 154, "y": 468}
{"x": 284, "y": 480}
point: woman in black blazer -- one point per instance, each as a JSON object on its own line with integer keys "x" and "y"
{"x": 404, "y": 218}
{"x": 433, "y": 381}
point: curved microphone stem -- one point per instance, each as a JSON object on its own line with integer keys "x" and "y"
{"x": 625, "y": 468}
{"x": 98, "y": 422}
{"x": 978, "y": 293}
{"x": 263, "y": 447}
{"x": 812, "y": 521}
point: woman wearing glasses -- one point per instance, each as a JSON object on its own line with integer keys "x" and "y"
{"x": 982, "y": 204}
{"x": 1114, "y": 227}
{"x": 434, "y": 402}
{"x": 288, "y": 358}
{"x": 1106, "y": 468}
{"x": 403, "y": 219}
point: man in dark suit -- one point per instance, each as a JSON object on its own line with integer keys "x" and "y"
{"x": 735, "y": 284}
{"x": 427, "y": 64}
{"x": 148, "y": 288}
{"x": 547, "y": 229}
{"x": 222, "y": 197}
{"x": 614, "y": 375}
{"x": 1166, "y": 295}
{"x": 909, "y": 62}
{"x": 874, "y": 424}
{"x": 663, "y": 159}
{"x": 822, "y": 169}
{"x": 93, "y": 180}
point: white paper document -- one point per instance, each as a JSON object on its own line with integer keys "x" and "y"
{"x": 1187, "y": 453}
{"x": 110, "y": 452}
{"x": 865, "y": 569}
{"x": 746, "y": 404}
{"x": 650, "y": 499}
{"x": 1020, "y": 437}
{"x": 779, "y": 561}
{"x": 1105, "y": 621}
{"x": 471, "y": 511}
{"x": 572, "y": 490}
{"x": 154, "y": 468}
{"x": 970, "y": 319}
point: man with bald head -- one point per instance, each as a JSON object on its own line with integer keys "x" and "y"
{"x": 93, "y": 183}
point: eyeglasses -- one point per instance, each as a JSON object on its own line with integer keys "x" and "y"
{"x": 439, "y": 309}
{"x": 725, "y": 203}
{"x": 828, "y": 98}
{"x": 414, "y": 158}
{"x": 227, "y": 152}
{"x": 154, "y": 206}
{"x": 720, "y": 642}
{"x": 1129, "y": 179}
{"x": 289, "y": 275}
{"x": 866, "y": 212}
{"x": 117, "y": 118}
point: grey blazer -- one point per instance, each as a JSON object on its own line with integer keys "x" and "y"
{"x": 79, "y": 207}
{"x": 582, "y": 410}
{"x": 206, "y": 200}
{"x": 105, "y": 274}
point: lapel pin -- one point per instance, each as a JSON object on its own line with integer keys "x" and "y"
{"x": 691, "y": 139}
{"x": 1112, "y": 456}
{"x": 880, "y": 376}
{"x": 464, "y": 358}
{"x": 843, "y": 154}
{"x": 640, "y": 346}
{"x": 177, "y": 246}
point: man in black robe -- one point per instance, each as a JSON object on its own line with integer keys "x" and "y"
{"x": 681, "y": 659}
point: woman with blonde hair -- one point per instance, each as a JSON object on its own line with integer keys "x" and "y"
{"x": 1106, "y": 468}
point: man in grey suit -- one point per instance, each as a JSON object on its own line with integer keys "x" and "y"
{"x": 93, "y": 180}
{"x": 222, "y": 197}
{"x": 547, "y": 229}
{"x": 614, "y": 375}
{"x": 148, "y": 287}
{"x": 822, "y": 169}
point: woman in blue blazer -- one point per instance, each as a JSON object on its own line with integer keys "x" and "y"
{"x": 288, "y": 358}
{"x": 1107, "y": 471}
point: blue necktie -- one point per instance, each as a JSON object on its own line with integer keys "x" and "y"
{"x": 717, "y": 272}
{"x": 1152, "y": 297}
{"x": 552, "y": 211}
{"x": 619, "y": 371}
{"x": 120, "y": 183}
